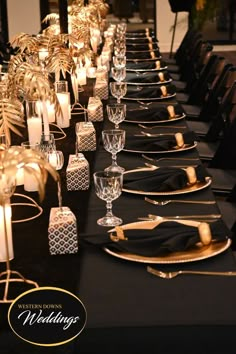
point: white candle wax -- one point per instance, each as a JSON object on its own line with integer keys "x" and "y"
{"x": 30, "y": 182}
{"x": 91, "y": 72}
{"x": 81, "y": 76}
{"x": 63, "y": 120}
{"x": 20, "y": 177}
{"x": 34, "y": 125}
{"x": 52, "y": 159}
{"x": 46, "y": 130}
{"x": 51, "y": 112}
{"x": 43, "y": 53}
{"x": 5, "y": 210}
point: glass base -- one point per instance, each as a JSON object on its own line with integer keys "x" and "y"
{"x": 114, "y": 168}
{"x": 109, "y": 221}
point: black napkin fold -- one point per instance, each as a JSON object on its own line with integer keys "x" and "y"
{"x": 144, "y": 65}
{"x": 146, "y": 77}
{"x": 169, "y": 236}
{"x": 143, "y": 54}
{"x": 152, "y": 113}
{"x": 162, "y": 143}
{"x": 163, "y": 179}
{"x": 148, "y": 92}
{"x": 131, "y": 47}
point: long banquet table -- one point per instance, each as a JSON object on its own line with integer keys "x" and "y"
{"x": 128, "y": 309}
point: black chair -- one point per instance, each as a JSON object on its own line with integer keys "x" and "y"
{"x": 209, "y": 125}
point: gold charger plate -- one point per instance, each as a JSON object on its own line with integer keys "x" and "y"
{"x": 184, "y": 148}
{"x": 178, "y": 117}
{"x": 188, "y": 189}
{"x": 149, "y": 98}
{"x": 149, "y": 83}
{"x": 197, "y": 253}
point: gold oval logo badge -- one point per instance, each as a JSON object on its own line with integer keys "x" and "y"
{"x": 47, "y": 316}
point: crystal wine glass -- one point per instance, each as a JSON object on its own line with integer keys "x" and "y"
{"x": 108, "y": 187}
{"x": 118, "y": 90}
{"x": 119, "y": 61}
{"x": 118, "y": 74}
{"x": 116, "y": 113}
{"x": 113, "y": 142}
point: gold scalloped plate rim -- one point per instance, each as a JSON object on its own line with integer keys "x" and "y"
{"x": 195, "y": 254}
{"x": 144, "y": 59}
{"x": 141, "y": 70}
{"x": 184, "y": 148}
{"x": 157, "y": 83}
{"x": 189, "y": 189}
{"x": 149, "y": 99}
{"x": 154, "y": 121}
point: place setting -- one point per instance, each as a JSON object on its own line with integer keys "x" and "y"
{"x": 151, "y": 113}
{"x": 148, "y": 93}
{"x": 143, "y": 66}
{"x": 148, "y": 78}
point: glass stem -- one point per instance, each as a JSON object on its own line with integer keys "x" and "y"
{"x": 114, "y": 162}
{"x": 109, "y": 209}
{"x": 118, "y": 100}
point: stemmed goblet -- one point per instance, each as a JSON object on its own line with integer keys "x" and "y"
{"x": 119, "y": 61}
{"x": 118, "y": 90}
{"x": 116, "y": 113}
{"x": 108, "y": 187}
{"x": 118, "y": 74}
{"x": 113, "y": 142}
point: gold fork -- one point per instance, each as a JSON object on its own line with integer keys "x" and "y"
{"x": 165, "y": 202}
{"x": 170, "y": 275}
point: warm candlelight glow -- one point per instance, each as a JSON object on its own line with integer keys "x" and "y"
{"x": 5, "y": 210}
{"x": 34, "y": 125}
{"x": 63, "y": 120}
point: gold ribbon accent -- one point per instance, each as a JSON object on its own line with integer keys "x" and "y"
{"x": 171, "y": 111}
{"x": 164, "y": 91}
{"x": 179, "y": 139}
{"x": 191, "y": 174}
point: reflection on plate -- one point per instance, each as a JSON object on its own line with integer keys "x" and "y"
{"x": 178, "y": 117}
{"x": 188, "y": 189}
{"x": 150, "y": 83}
{"x": 185, "y": 147}
{"x": 154, "y": 69}
{"x": 149, "y": 98}
{"x": 195, "y": 254}
{"x": 142, "y": 59}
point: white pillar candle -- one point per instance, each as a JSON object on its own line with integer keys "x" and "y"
{"x": 63, "y": 120}
{"x": 46, "y": 130}
{"x": 51, "y": 112}
{"x": 30, "y": 182}
{"x": 34, "y": 125}
{"x": 53, "y": 159}
{"x": 20, "y": 177}
{"x": 43, "y": 53}
{"x": 5, "y": 211}
{"x": 91, "y": 72}
{"x": 81, "y": 76}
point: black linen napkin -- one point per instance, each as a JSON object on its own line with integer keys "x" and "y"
{"x": 163, "y": 179}
{"x": 146, "y": 77}
{"x": 151, "y": 114}
{"x": 144, "y": 65}
{"x": 148, "y": 92}
{"x": 143, "y": 54}
{"x": 167, "y": 237}
{"x": 131, "y": 47}
{"x": 162, "y": 143}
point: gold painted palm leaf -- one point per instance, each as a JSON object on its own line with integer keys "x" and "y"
{"x": 33, "y": 161}
{"x": 24, "y": 42}
{"x": 60, "y": 61}
{"x": 11, "y": 116}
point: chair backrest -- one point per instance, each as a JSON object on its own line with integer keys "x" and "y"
{"x": 216, "y": 93}
{"x": 207, "y": 79}
{"x": 225, "y": 156}
{"x": 187, "y": 41}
